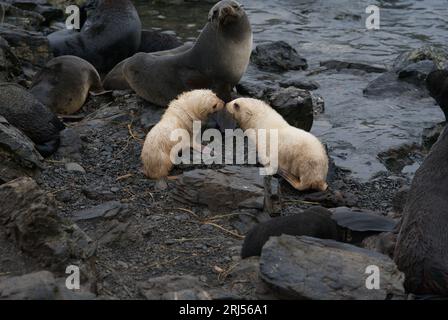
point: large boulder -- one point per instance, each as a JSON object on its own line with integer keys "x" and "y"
{"x": 29, "y": 216}
{"x": 223, "y": 190}
{"x": 316, "y": 269}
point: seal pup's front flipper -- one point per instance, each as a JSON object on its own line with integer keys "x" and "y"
{"x": 291, "y": 179}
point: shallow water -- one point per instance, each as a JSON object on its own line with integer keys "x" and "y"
{"x": 355, "y": 128}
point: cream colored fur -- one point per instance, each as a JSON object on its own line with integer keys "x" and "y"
{"x": 299, "y": 152}
{"x": 191, "y": 106}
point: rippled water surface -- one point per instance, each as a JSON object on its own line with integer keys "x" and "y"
{"x": 355, "y": 128}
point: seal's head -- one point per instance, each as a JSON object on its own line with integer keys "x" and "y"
{"x": 226, "y": 12}
{"x": 244, "y": 109}
{"x": 199, "y": 103}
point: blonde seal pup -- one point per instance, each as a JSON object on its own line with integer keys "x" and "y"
{"x": 191, "y": 106}
{"x": 302, "y": 159}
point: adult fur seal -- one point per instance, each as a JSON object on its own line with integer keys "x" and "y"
{"x": 191, "y": 106}
{"x": 437, "y": 84}
{"x": 22, "y": 110}
{"x": 110, "y": 34}
{"x": 422, "y": 247}
{"x": 64, "y": 84}
{"x": 217, "y": 61}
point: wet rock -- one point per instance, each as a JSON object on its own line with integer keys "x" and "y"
{"x": 31, "y": 220}
{"x": 295, "y": 105}
{"x": 74, "y": 167}
{"x": 300, "y": 84}
{"x": 48, "y": 12}
{"x": 9, "y": 64}
{"x": 111, "y": 209}
{"x": 437, "y": 55}
{"x": 151, "y": 117}
{"x": 310, "y": 268}
{"x": 223, "y": 190}
{"x": 318, "y": 103}
{"x": 179, "y": 288}
{"x": 101, "y": 118}
{"x": 28, "y": 46}
{"x": 278, "y": 56}
{"x": 41, "y": 285}
{"x": 408, "y": 73}
{"x": 431, "y": 135}
{"x": 341, "y": 65}
{"x": 416, "y": 73}
{"x": 18, "y": 157}
{"x": 396, "y": 159}
{"x": 251, "y": 89}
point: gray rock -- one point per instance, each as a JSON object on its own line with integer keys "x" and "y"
{"x": 300, "y": 84}
{"x": 225, "y": 190}
{"x": 28, "y": 46}
{"x": 29, "y": 215}
{"x": 74, "y": 167}
{"x": 278, "y": 56}
{"x": 175, "y": 288}
{"x": 111, "y": 209}
{"x": 437, "y": 55}
{"x": 362, "y": 220}
{"x": 18, "y": 157}
{"x": 396, "y": 159}
{"x": 341, "y": 65}
{"x": 383, "y": 243}
{"x": 310, "y": 268}
{"x": 295, "y": 105}
{"x": 41, "y": 285}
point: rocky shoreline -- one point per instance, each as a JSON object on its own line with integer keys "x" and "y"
{"x": 90, "y": 205}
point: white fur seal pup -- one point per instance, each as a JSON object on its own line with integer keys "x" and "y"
{"x": 302, "y": 159}
{"x": 191, "y": 106}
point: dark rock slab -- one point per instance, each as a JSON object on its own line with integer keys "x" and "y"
{"x": 362, "y": 220}
{"x": 341, "y": 65}
{"x": 310, "y": 268}
{"x": 9, "y": 64}
{"x": 28, "y": 46}
{"x": 111, "y": 209}
{"x": 431, "y": 135}
{"x": 278, "y": 56}
{"x": 300, "y": 84}
{"x": 18, "y": 157}
{"x": 222, "y": 190}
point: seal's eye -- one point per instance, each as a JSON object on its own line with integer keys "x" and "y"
{"x": 215, "y": 106}
{"x": 236, "y": 106}
{"x": 235, "y": 6}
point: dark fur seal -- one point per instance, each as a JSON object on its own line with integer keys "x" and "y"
{"x": 111, "y": 33}
{"x": 437, "y": 84}
{"x": 422, "y": 247}
{"x": 154, "y": 41}
{"x": 64, "y": 84}
{"x": 315, "y": 222}
{"x": 217, "y": 61}
{"x": 22, "y": 110}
